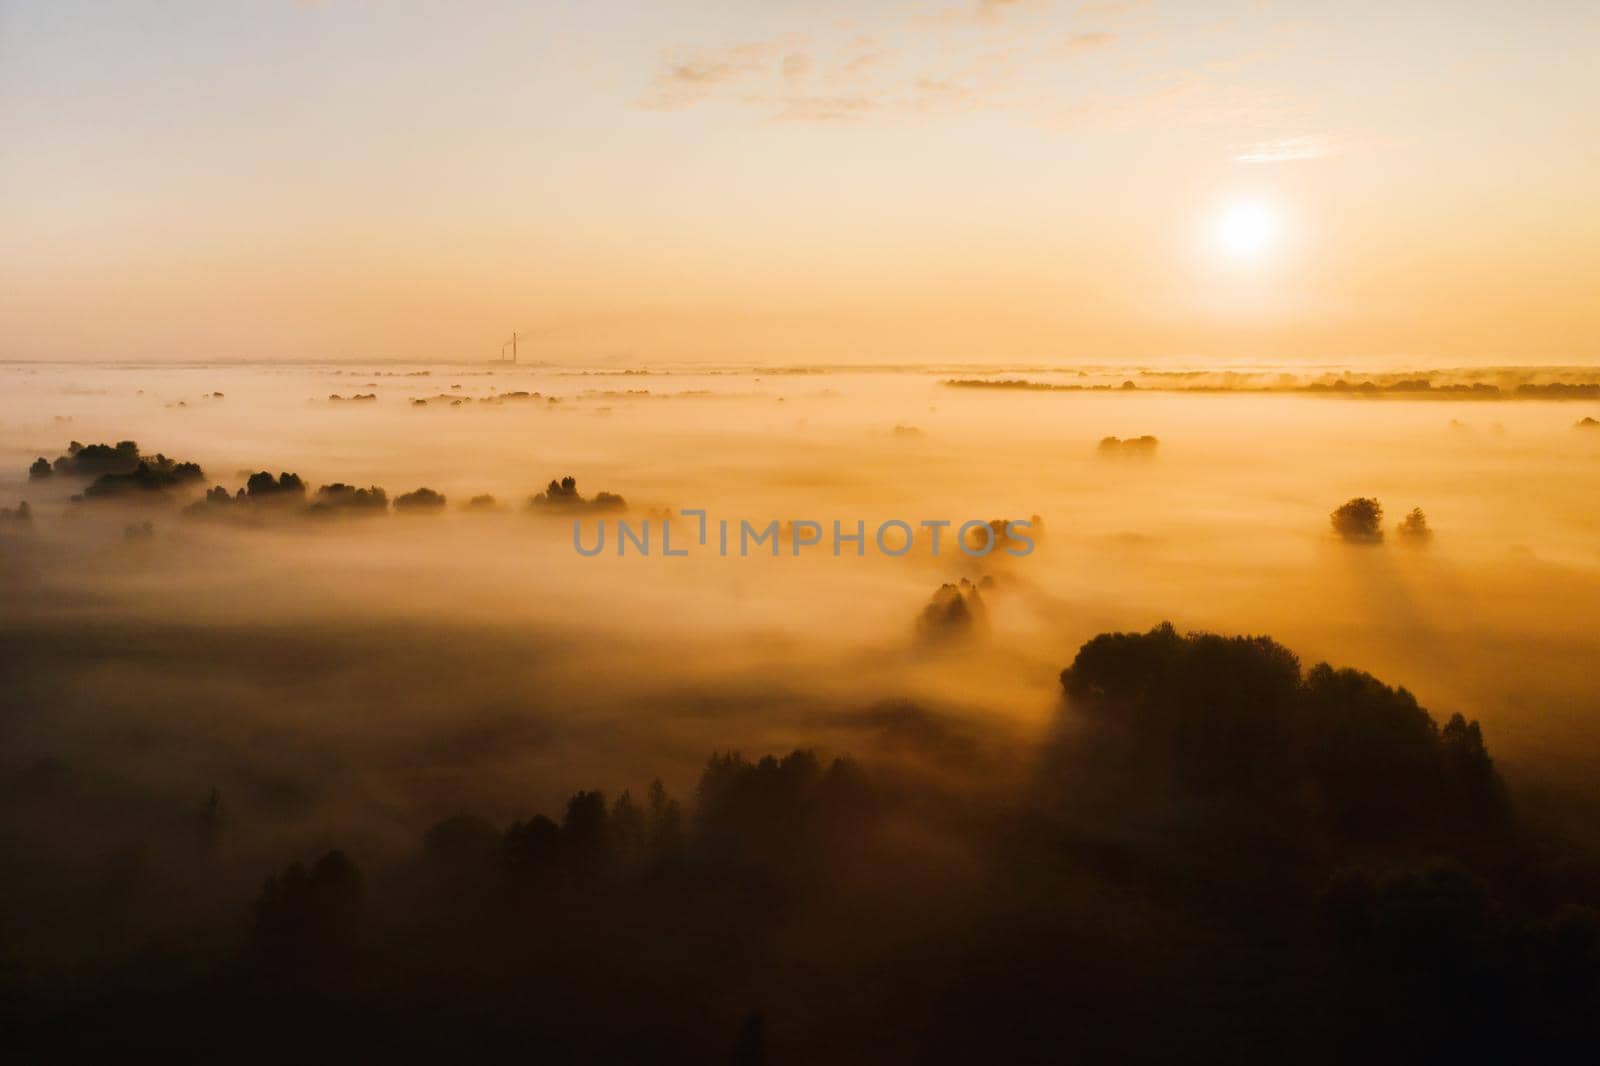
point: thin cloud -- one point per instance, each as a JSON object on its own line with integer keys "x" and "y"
{"x": 701, "y": 72}
{"x": 1290, "y": 150}
{"x": 1113, "y": 8}
{"x": 689, "y": 80}
{"x": 1085, "y": 41}
{"x": 1194, "y": 99}
{"x": 824, "y": 108}
{"x": 946, "y": 62}
{"x": 865, "y": 61}
{"x": 982, "y": 12}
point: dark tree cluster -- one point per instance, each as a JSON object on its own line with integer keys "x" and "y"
{"x": 1000, "y": 539}
{"x": 1431, "y": 963}
{"x": 339, "y": 498}
{"x": 157, "y": 474}
{"x": 1360, "y": 521}
{"x": 20, "y": 515}
{"x": 121, "y": 471}
{"x": 783, "y": 826}
{"x": 422, "y": 501}
{"x": 118, "y": 470}
{"x": 564, "y": 495}
{"x": 260, "y": 489}
{"x": 1128, "y": 448}
{"x": 1235, "y": 717}
{"x": 263, "y": 486}
{"x": 1474, "y": 390}
{"x": 319, "y": 905}
{"x": 264, "y": 494}
{"x": 92, "y": 460}
{"x": 1560, "y": 390}
{"x": 515, "y": 396}
{"x": 956, "y": 612}
{"x": 532, "y": 936}
{"x": 1021, "y": 384}
{"x": 1217, "y": 856}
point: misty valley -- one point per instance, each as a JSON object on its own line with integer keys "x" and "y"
{"x": 1245, "y": 716}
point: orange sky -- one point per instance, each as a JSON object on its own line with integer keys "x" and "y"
{"x": 1003, "y": 181}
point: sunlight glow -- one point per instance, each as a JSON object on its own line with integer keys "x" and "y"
{"x": 1246, "y": 230}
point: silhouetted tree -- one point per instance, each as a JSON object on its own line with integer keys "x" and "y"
{"x": 955, "y": 611}
{"x": 1358, "y": 520}
{"x": 665, "y": 828}
{"x": 627, "y": 832}
{"x": 1414, "y": 527}
{"x": 1471, "y": 780}
{"x": 531, "y": 851}
{"x": 421, "y": 501}
{"x": 584, "y": 832}
{"x": 307, "y": 918}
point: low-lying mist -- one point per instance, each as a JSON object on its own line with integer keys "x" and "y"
{"x": 196, "y": 697}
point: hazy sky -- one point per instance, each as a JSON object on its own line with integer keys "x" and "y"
{"x": 1007, "y": 180}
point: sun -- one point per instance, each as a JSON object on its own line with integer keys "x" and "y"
{"x": 1246, "y": 229}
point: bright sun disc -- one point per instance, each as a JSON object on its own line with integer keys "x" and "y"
{"x": 1246, "y": 229}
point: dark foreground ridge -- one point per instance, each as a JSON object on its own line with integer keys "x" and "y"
{"x": 1216, "y": 856}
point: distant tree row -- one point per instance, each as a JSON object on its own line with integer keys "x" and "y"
{"x": 121, "y": 470}
{"x": 564, "y": 495}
